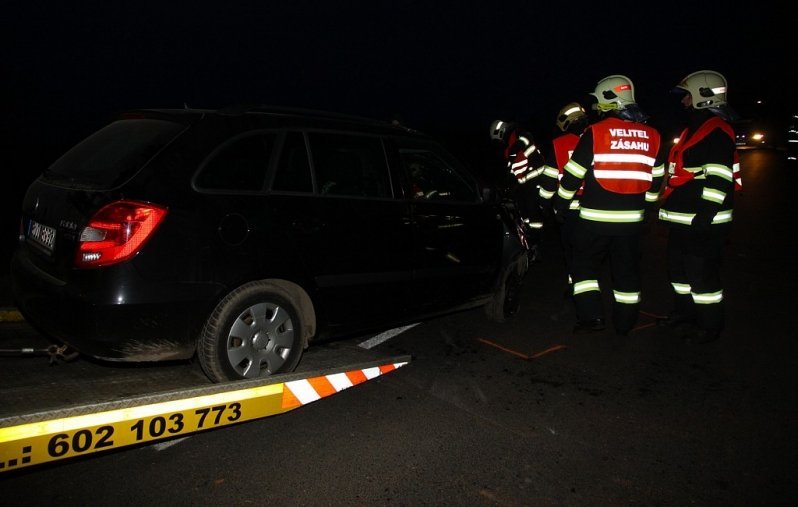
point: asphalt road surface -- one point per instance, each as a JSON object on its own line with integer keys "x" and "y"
{"x": 520, "y": 413}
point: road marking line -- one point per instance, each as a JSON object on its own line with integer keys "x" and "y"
{"x": 160, "y": 446}
{"x": 536, "y": 355}
{"x": 553, "y": 348}
{"x": 505, "y": 349}
{"x": 387, "y": 335}
{"x": 638, "y": 328}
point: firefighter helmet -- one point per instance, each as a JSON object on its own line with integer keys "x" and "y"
{"x": 572, "y": 114}
{"x": 499, "y": 130}
{"x": 706, "y": 87}
{"x": 614, "y": 92}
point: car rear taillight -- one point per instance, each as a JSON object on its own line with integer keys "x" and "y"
{"x": 117, "y": 232}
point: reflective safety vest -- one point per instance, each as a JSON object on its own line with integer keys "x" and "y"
{"x": 624, "y": 154}
{"x": 678, "y": 175}
{"x": 563, "y": 148}
{"x": 511, "y": 141}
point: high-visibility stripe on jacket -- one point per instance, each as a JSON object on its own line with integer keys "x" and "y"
{"x": 678, "y": 175}
{"x": 623, "y": 155}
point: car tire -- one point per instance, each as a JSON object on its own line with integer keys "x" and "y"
{"x": 255, "y": 331}
{"x": 506, "y": 298}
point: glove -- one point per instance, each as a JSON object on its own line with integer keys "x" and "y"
{"x": 650, "y": 213}
{"x": 560, "y": 206}
{"x": 702, "y": 221}
{"x": 546, "y": 209}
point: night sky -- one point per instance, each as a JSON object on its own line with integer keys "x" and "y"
{"x": 447, "y": 68}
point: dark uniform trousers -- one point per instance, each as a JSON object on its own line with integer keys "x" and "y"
{"x": 590, "y": 249}
{"x": 694, "y": 259}
{"x": 566, "y": 243}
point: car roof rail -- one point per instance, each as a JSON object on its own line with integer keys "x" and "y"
{"x": 237, "y": 109}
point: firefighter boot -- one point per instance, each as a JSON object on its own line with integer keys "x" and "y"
{"x": 700, "y": 336}
{"x": 533, "y": 254}
{"x": 676, "y": 319}
{"x": 589, "y": 326}
{"x": 567, "y": 310}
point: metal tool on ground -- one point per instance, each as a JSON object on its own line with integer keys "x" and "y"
{"x": 55, "y": 353}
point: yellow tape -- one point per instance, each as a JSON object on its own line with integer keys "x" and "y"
{"x": 36, "y": 443}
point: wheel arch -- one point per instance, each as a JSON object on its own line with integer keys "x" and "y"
{"x": 304, "y": 304}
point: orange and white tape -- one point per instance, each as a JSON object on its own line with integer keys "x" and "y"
{"x": 300, "y": 392}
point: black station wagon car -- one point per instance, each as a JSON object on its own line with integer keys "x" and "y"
{"x": 244, "y": 235}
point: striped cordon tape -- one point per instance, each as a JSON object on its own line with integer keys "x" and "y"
{"x": 300, "y": 392}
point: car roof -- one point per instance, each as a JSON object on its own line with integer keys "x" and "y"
{"x": 278, "y": 116}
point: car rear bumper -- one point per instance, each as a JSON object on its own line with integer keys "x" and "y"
{"x": 112, "y": 326}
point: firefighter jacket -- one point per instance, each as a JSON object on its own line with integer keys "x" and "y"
{"x": 562, "y": 148}
{"x": 524, "y": 160}
{"x": 678, "y": 175}
{"x": 620, "y": 165}
{"x": 703, "y": 173}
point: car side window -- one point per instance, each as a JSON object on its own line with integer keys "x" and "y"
{"x": 434, "y": 178}
{"x": 349, "y": 165}
{"x": 239, "y": 165}
{"x": 293, "y": 169}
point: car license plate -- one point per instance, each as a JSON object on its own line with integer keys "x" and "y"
{"x": 42, "y": 235}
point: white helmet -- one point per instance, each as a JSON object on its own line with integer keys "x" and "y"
{"x": 571, "y": 114}
{"x": 614, "y": 92}
{"x": 498, "y": 130}
{"x": 706, "y": 87}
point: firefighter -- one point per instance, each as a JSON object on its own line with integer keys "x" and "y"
{"x": 697, "y": 205}
{"x": 525, "y": 163}
{"x": 571, "y": 121}
{"x": 618, "y": 161}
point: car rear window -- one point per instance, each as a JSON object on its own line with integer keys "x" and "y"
{"x": 113, "y": 154}
{"x": 239, "y": 165}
